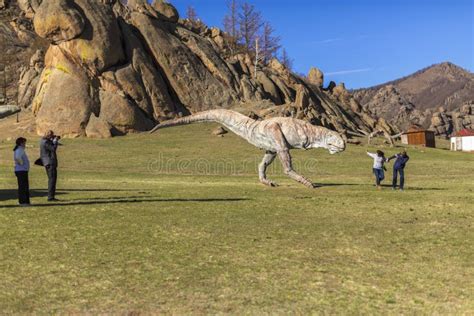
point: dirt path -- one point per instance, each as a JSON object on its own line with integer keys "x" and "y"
{"x": 10, "y": 129}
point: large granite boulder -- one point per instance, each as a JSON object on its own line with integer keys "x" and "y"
{"x": 188, "y": 76}
{"x": 63, "y": 100}
{"x": 98, "y": 128}
{"x": 166, "y": 11}
{"x": 316, "y": 77}
{"x": 58, "y": 21}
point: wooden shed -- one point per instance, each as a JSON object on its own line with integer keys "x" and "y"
{"x": 416, "y": 135}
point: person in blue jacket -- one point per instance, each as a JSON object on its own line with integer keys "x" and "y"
{"x": 399, "y": 168}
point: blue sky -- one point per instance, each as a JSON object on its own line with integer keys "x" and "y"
{"x": 363, "y": 42}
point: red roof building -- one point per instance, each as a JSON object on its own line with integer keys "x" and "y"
{"x": 464, "y": 132}
{"x": 463, "y": 140}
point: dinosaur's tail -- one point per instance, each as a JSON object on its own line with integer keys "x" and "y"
{"x": 224, "y": 117}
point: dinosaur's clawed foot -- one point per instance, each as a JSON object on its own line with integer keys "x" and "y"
{"x": 269, "y": 183}
{"x": 311, "y": 185}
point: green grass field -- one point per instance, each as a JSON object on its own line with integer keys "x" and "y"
{"x": 178, "y": 223}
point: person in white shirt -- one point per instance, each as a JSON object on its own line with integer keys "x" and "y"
{"x": 378, "y": 167}
{"x": 22, "y": 167}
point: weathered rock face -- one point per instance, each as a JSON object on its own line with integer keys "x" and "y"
{"x": 18, "y": 43}
{"x": 316, "y": 77}
{"x": 29, "y": 79}
{"x": 58, "y": 21}
{"x": 444, "y": 123}
{"x": 98, "y": 128}
{"x": 414, "y": 99}
{"x": 112, "y": 69}
{"x": 63, "y": 100}
{"x": 389, "y": 103}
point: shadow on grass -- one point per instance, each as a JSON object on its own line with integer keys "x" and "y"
{"x": 11, "y": 194}
{"x": 322, "y": 185}
{"x": 408, "y": 188}
{"x": 425, "y": 189}
{"x": 127, "y": 201}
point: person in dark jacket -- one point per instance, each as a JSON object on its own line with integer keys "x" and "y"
{"x": 22, "y": 167}
{"x": 399, "y": 168}
{"x": 48, "y": 146}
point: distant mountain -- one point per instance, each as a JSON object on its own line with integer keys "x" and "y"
{"x": 415, "y": 98}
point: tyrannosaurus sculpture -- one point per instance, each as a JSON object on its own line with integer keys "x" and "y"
{"x": 276, "y": 135}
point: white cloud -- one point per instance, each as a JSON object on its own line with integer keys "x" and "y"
{"x": 328, "y": 41}
{"x": 345, "y": 72}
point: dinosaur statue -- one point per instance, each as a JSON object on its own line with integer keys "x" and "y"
{"x": 7, "y": 110}
{"x": 277, "y": 136}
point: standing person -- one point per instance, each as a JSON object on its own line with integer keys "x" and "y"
{"x": 48, "y": 146}
{"x": 22, "y": 167}
{"x": 399, "y": 168}
{"x": 378, "y": 167}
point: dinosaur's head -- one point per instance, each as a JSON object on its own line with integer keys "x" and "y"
{"x": 335, "y": 143}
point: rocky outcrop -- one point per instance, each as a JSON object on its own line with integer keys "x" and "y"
{"x": 413, "y": 100}
{"x": 444, "y": 123}
{"x": 316, "y": 77}
{"x": 29, "y": 79}
{"x": 98, "y": 128}
{"x": 112, "y": 69}
{"x": 389, "y": 103}
{"x": 18, "y": 42}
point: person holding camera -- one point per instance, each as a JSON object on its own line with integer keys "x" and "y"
{"x": 48, "y": 146}
{"x": 22, "y": 167}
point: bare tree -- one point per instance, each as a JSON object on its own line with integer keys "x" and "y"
{"x": 191, "y": 14}
{"x": 269, "y": 43}
{"x": 250, "y": 23}
{"x": 286, "y": 60}
{"x": 231, "y": 20}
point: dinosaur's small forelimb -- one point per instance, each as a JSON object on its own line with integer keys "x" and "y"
{"x": 285, "y": 159}
{"x": 262, "y": 168}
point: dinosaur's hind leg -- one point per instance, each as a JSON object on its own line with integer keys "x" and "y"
{"x": 262, "y": 168}
{"x": 285, "y": 159}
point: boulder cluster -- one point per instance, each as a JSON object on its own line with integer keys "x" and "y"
{"x": 19, "y": 43}
{"x": 113, "y": 68}
{"x": 390, "y": 103}
{"x": 444, "y": 123}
